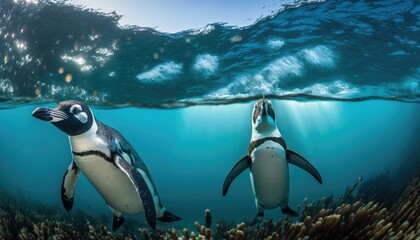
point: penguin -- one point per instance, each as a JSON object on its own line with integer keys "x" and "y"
{"x": 267, "y": 159}
{"x": 108, "y": 161}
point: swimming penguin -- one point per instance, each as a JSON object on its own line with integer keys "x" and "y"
{"x": 268, "y": 159}
{"x": 108, "y": 161}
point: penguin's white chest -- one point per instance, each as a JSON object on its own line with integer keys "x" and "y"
{"x": 112, "y": 184}
{"x": 270, "y": 175}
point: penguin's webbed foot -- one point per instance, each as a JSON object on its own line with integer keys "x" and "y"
{"x": 289, "y": 211}
{"x": 169, "y": 217}
{"x": 257, "y": 219}
{"x": 118, "y": 221}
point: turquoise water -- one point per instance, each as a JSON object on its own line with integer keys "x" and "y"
{"x": 343, "y": 77}
{"x": 189, "y": 151}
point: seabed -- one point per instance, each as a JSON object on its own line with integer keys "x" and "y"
{"x": 350, "y": 216}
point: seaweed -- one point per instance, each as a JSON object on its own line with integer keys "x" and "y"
{"x": 350, "y": 216}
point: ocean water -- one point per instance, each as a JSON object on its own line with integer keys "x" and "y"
{"x": 343, "y": 77}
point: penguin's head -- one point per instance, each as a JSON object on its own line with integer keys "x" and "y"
{"x": 263, "y": 116}
{"x": 71, "y": 117}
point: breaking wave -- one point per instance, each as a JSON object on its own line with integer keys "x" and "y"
{"x": 345, "y": 50}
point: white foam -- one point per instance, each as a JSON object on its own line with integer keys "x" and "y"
{"x": 320, "y": 56}
{"x": 335, "y": 88}
{"x": 264, "y": 81}
{"x": 283, "y": 67}
{"x": 202, "y": 31}
{"x": 206, "y": 64}
{"x": 236, "y": 38}
{"x": 411, "y": 86}
{"x": 70, "y": 92}
{"x": 244, "y": 87}
{"x": 6, "y": 86}
{"x": 162, "y": 72}
{"x": 275, "y": 43}
{"x": 398, "y": 53}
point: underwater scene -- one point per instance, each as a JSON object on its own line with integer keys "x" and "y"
{"x": 304, "y": 124}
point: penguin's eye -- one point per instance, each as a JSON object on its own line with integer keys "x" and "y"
{"x": 76, "y": 109}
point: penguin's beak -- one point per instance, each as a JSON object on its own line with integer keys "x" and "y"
{"x": 264, "y": 110}
{"x": 49, "y": 115}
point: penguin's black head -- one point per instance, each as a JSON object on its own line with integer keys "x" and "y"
{"x": 71, "y": 117}
{"x": 263, "y": 114}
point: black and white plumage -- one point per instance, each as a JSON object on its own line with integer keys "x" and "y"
{"x": 267, "y": 160}
{"x": 108, "y": 161}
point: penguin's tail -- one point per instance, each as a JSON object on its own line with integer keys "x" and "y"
{"x": 169, "y": 217}
{"x": 289, "y": 211}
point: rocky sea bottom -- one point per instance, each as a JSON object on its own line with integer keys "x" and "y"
{"x": 367, "y": 210}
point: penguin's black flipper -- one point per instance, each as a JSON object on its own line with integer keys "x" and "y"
{"x": 169, "y": 217}
{"x": 289, "y": 211}
{"x": 68, "y": 185}
{"x": 239, "y": 167}
{"x": 141, "y": 186}
{"x": 296, "y": 159}
{"x": 118, "y": 221}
